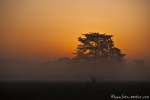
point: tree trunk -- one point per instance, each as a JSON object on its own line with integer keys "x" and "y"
{"x": 101, "y": 79}
{"x": 93, "y": 80}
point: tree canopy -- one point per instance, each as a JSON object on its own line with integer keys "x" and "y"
{"x": 97, "y": 47}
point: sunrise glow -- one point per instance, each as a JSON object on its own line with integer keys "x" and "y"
{"x": 48, "y": 29}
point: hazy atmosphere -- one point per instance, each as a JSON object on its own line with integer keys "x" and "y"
{"x": 38, "y": 38}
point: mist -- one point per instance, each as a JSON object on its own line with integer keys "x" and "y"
{"x": 62, "y": 69}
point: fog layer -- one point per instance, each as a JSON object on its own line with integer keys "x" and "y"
{"x": 61, "y": 69}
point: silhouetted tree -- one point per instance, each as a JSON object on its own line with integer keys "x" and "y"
{"x": 97, "y": 52}
{"x": 139, "y": 63}
{"x": 142, "y": 69}
{"x": 63, "y": 61}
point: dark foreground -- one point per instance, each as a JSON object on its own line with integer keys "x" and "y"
{"x": 42, "y": 90}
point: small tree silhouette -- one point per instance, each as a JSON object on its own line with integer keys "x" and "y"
{"x": 139, "y": 63}
{"x": 97, "y": 54}
{"x": 142, "y": 69}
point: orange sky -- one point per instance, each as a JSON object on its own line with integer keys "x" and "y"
{"x": 48, "y": 29}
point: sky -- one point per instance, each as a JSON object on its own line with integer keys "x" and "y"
{"x": 39, "y": 30}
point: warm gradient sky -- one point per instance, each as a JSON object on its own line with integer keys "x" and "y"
{"x": 48, "y": 29}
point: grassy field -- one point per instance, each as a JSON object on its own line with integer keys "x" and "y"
{"x": 69, "y": 90}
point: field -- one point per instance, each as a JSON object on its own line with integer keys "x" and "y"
{"x": 70, "y": 90}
